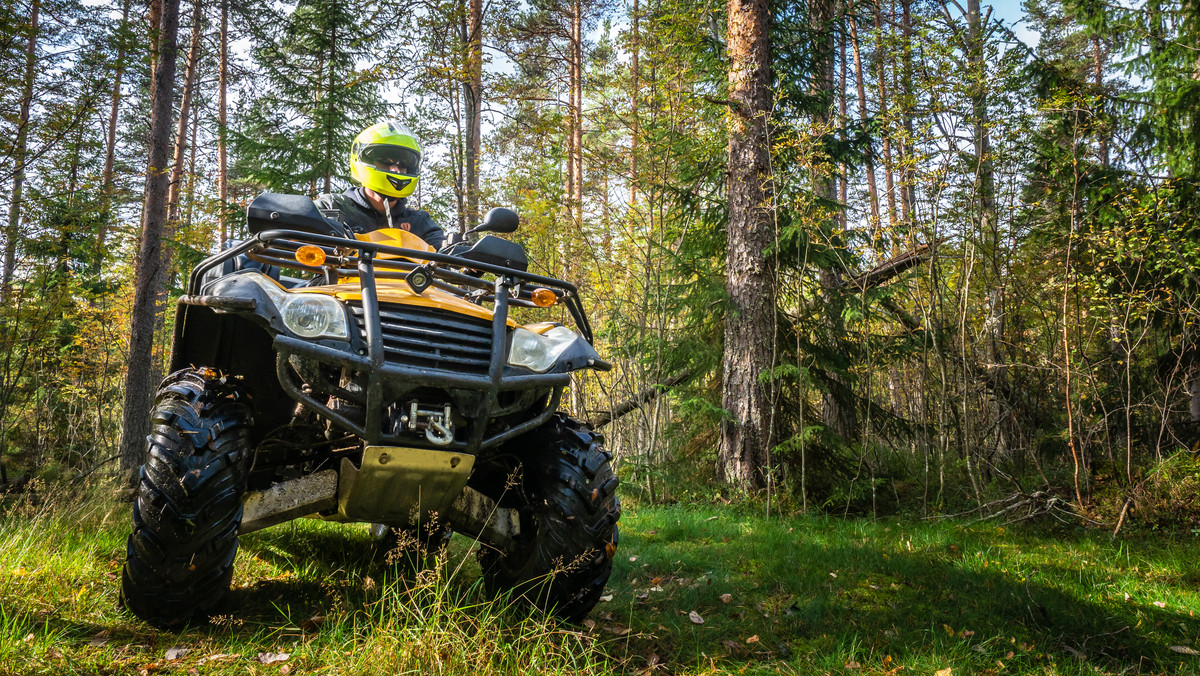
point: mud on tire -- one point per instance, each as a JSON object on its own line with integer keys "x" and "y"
{"x": 179, "y": 558}
{"x": 568, "y": 525}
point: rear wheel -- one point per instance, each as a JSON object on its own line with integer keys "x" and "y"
{"x": 563, "y": 557}
{"x": 179, "y": 558}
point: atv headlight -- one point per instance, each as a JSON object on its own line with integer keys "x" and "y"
{"x": 311, "y": 315}
{"x": 539, "y": 352}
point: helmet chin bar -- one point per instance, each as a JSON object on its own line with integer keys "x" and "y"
{"x": 398, "y": 183}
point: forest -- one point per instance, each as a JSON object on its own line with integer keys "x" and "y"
{"x": 859, "y": 256}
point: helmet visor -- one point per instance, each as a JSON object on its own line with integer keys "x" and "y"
{"x": 391, "y": 158}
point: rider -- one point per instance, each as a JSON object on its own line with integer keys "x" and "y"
{"x": 385, "y": 160}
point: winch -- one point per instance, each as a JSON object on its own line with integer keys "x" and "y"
{"x": 434, "y": 419}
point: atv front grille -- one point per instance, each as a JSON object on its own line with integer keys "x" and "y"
{"x": 431, "y": 338}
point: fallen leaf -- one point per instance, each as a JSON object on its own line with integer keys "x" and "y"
{"x": 1160, "y": 604}
{"x": 313, "y": 623}
{"x": 271, "y": 658}
{"x": 653, "y": 532}
{"x": 653, "y": 660}
{"x": 752, "y": 639}
{"x": 285, "y": 669}
{"x": 713, "y": 518}
{"x": 632, "y": 559}
{"x": 966, "y": 633}
{"x": 949, "y": 630}
{"x": 726, "y": 598}
{"x": 193, "y": 671}
{"x": 606, "y": 598}
{"x": 590, "y": 624}
{"x": 218, "y": 657}
{"x": 29, "y": 639}
{"x": 945, "y": 672}
{"x": 695, "y": 617}
{"x": 176, "y": 653}
{"x": 1127, "y": 597}
{"x": 656, "y": 588}
{"x": 99, "y": 639}
{"x": 1184, "y": 650}
{"x": 853, "y": 665}
{"x": 732, "y": 646}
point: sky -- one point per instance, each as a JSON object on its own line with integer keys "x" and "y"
{"x": 1014, "y": 17}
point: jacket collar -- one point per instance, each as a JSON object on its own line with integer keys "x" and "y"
{"x": 356, "y": 195}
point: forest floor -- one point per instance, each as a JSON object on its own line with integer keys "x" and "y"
{"x": 695, "y": 590}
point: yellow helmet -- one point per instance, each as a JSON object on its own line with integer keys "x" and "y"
{"x": 386, "y": 158}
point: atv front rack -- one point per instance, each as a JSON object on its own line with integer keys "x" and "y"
{"x": 346, "y": 258}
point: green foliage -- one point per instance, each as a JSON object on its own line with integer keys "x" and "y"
{"x": 294, "y": 134}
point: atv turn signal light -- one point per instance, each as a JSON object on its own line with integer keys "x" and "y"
{"x": 310, "y": 255}
{"x": 544, "y": 297}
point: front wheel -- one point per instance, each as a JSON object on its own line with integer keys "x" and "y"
{"x": 179, "y": 558}
{"x": 563, "y": 557}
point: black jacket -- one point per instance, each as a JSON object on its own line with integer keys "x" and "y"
{"x": 360, "y": 216}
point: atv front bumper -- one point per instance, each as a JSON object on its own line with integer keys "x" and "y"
{"x": 491, "y": 392}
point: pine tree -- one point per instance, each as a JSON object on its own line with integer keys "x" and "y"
{"x": 316, "y": 96}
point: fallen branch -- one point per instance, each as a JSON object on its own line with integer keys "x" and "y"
{"x": 647, "y": 394}
{"x": 893, "y": 267}
{"x": 1019, "y": 507}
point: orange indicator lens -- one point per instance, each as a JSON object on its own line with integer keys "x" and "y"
{"x": 310, "y": 255}
{"x": 544, "y": 297}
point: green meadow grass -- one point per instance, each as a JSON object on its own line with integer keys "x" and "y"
{"x": 695, "y": 590}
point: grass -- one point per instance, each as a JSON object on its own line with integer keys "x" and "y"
{"x": 800, "y": 594}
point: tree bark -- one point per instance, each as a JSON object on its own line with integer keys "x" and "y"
{"x": 746, "y": 434}
{"x": 13, "y": 231}
{"x": 150, "y": 275}
{"x": 473, "y": 104}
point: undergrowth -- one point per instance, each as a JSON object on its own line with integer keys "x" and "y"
{"x": 695, "y": 590}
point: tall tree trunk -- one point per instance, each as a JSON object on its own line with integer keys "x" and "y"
{"x": 844, "y": 170}
{"x": 473, "y": 104}
{"x": 223, "y": 126}
{"x": 1098, "y": 81}
{"x": 329, "y": 130}
{"x": 889, "y": 183}
{"x": 139, "y": 388}
{"x": 577, "y": 112}
{"x": 746, "y": 435}
{"x": 181, "y": 129}
{"x": 633, "y": 105}
{"x": 869, "y": 159}
{"x": 110, "y": 147}
{"x": 20, "y": 155}
{"x": 838, "y": 413}
{"x": 908, "y": 183}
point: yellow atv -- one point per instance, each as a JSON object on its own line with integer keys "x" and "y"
{"x": 392, "y": 387}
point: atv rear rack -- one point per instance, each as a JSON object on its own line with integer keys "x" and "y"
{"x": 354, "y": 258}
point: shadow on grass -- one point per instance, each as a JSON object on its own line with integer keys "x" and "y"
{"x": 869, "y": 603}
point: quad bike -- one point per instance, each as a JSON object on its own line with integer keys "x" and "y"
{"x": 391, "y": 387}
